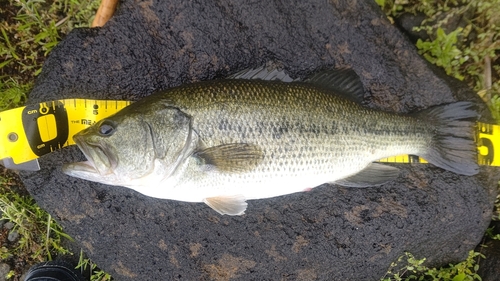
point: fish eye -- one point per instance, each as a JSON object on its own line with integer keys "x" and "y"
{"x": 107, "y": 128}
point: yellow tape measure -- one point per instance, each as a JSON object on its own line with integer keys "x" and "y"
{"x": 29, "y": 132}
{"x": 32, "y": 131}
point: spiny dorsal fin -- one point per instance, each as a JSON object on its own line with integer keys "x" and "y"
{"x": 343, "y": 81}
{"x": 262, "y": 73}
{"x": 233, "y": 157}
{"x": 373, "y": 175}
{"x": 233, "y": 205}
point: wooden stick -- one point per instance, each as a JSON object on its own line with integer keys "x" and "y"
{"x": 105, "y": 12}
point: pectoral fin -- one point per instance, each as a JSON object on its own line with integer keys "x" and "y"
{"x": 234, "y": 205}
{"x": 233, "y": 157}
{"x": 373, "y": 175}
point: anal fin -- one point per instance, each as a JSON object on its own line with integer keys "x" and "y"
{"x": 374, "y": 174}
{"x": 233, "y": 205}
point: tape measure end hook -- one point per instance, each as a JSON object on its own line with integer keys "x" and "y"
{"x": 32, "y": 165}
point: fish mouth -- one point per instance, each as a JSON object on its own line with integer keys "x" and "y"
{"x": 99, "y": 158}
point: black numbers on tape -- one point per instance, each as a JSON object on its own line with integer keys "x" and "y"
{"x": 46, "y": 126}
{"x": 485, "y": 142}
{"x": 488, "y": 158}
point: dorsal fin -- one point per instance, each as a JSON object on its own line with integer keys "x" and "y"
{"x": 342, "y": 81}
{"x": 262, "y": 73}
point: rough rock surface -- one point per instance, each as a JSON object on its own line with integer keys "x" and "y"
{"x": 330, "y": 233}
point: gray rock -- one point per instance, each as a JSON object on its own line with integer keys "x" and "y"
{"x": 13, "y": 235}
{"x": 330, "y": 233}
{"x": 8, "y": 225}
{"x": 408, "y": 21}
{"x": 23, "y": 276}
{"x": 4, "y": 270}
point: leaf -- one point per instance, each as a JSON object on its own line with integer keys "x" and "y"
{"x": 440, "y": 33}
{"x": 459, "y": 277}
{"x": 5, "y": 63}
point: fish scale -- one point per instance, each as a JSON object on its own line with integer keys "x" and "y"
{"x": 224, "y": 142}
{"x": 327, "y": 131}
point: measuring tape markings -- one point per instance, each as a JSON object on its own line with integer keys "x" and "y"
{"x": 45, "y": 126}
{"x": 32, "y": 131}
{"x": 488, "y": 138}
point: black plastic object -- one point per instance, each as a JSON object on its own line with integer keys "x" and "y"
{"x": 53, "y": 271}
{"x": 31, "y": 122}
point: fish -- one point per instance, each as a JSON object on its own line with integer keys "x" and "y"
{"x": 261, "y": 134}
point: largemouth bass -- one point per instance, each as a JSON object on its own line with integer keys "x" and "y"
{"x": 224, "y": 142}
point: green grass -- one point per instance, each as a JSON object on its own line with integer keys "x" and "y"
{"x": 96, "y": 274}
{"x": 413, "y": 269}
{"x": 40, "y": 237}
{"x": 470, "y": 53}
{"x": 29, "y": 30}
{"x": 12, "y": 93}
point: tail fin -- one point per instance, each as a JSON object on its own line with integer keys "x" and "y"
{"x": 453, "y": 147}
